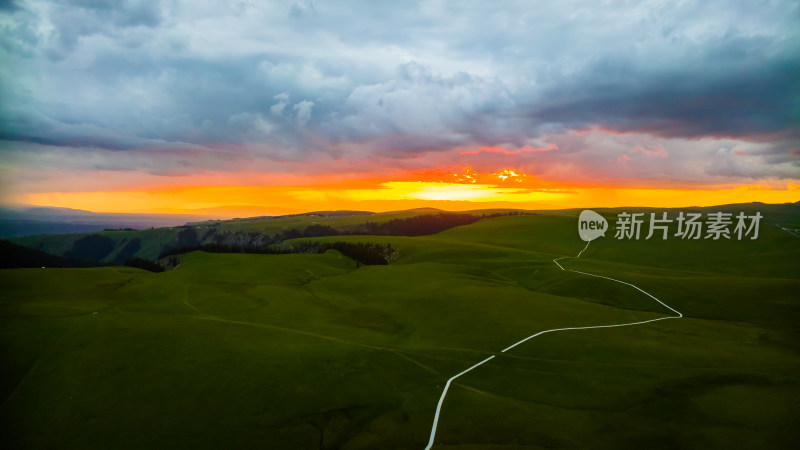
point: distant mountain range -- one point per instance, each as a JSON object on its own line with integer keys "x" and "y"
{"x": 116, "y": 245}
{"x": 28, "y": 220}
{"x": 25, "y": 221}
{"x": 31, "y": 220}
{"x": 18, "y": 221}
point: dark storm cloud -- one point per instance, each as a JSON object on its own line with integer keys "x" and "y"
{"x": 739, "y": 93}
{"x": 296, "y": 80}
{"x": 8, "y": 5}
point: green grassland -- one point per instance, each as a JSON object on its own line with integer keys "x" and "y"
{"x": 307, "y": 351}
{"x": 342, "y": 220}
{"x": 271, "y": 225}
{"x": 153, "y": 242}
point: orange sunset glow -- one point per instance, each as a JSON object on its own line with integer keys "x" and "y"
{"x": 272, "y": 115}
{"x": 457, "y": 190}
{"x": 361, "y": 224}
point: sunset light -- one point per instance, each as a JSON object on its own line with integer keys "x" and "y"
{"x": 423, "y": 225}
{"x": 240, "y": 124}
{"x": 394, "y": 195}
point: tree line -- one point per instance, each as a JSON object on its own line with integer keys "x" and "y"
{"x": 91, "y": 249}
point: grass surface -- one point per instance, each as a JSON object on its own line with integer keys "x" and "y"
{"x": 310, "y": 352}
{"x": 154, "y": 241}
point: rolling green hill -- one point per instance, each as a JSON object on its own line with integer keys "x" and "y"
{"x": 115, "y": 247}
{"x": 13, "y": 256}
{"x": 306, "y": 351}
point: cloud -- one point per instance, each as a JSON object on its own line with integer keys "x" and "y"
{"x": 302, "y": 112}
{"x": 8, "y": 5}
{"x": 283, "y": 100}
{"x": 508, "y": 152}
{"x": 407, "y": 84}
{"x": 712, "y": 97}
{"x": 657, "y": 152}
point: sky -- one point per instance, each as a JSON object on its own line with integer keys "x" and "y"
{"x": 290, "y": 106}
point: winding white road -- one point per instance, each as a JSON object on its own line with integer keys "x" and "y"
{"x": 627, "y": 324}
{"x": 790, "y": 231}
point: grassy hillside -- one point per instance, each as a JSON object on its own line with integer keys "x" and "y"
{"x": 14, "y": 256}
{"x": 115, "y": 247}
{"x": 309, "y": 352}
{"x": 273, "y": 225}
{"x": 151, "y": 242}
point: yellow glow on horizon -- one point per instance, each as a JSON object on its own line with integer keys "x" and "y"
{"x": 394, "y": 195}
{"x": 438, "y": 191}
